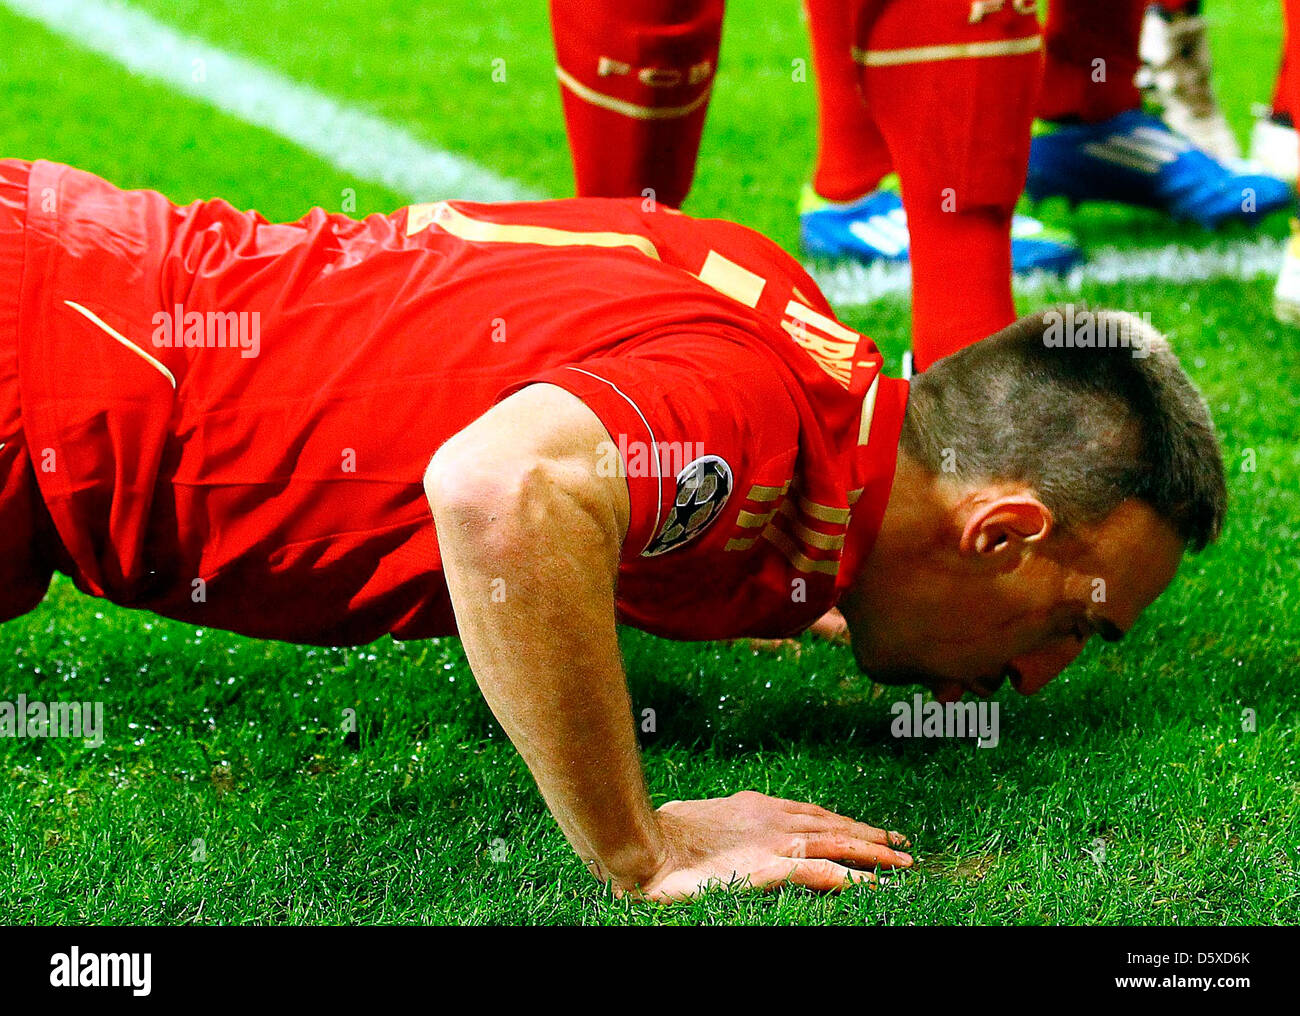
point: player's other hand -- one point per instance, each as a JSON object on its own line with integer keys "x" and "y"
{"x": 831, "y": 627}
{"x": 764, "y": 842}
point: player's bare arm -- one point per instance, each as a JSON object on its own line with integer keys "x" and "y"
{"x": 531, "y": 536}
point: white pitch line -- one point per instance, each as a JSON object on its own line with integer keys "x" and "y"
{"x": 375, "y": 150}
{"x": 854, "y": 285}
{"x": 352, "y": 140}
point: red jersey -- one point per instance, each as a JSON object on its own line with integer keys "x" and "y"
{"x": 228, "y": 420}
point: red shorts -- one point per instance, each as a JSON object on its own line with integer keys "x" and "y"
{"x": 203, "y": 482}
{"x": 28, "y": 548}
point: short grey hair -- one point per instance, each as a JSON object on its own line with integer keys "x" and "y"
{"x": 1087, "y": 427}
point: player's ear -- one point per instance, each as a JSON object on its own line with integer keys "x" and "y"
{"x": 1003, "y": 528}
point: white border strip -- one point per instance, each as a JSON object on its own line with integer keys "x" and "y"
{"x": 853, "y": 285}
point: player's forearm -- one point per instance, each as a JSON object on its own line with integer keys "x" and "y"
{"x": 530, "y": 553}
{"x": 537, "y": 622}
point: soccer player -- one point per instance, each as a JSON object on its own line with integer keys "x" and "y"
{"x": 1286, "y": 292}
{"x": 852, "y": 206}
{"x": 949, "y": 87}
{"x": 924, "y": 112}
{"x": 1094, "y": 142}
{"x": 526, "y": 424}
{"x": 1176, "y": 64}
{"x": 1274, "y": 143}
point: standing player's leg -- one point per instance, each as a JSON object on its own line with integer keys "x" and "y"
{"x": 852, "y": 207}
{"x": 1273, "y": 140}
{"x": 952, "y": 86}
{"x": 845, "y": 212}
{"x": 1092, "y": 59}
{"x": 852, "y": 157}
{"x": 1176, "y": 70}
{"x": 1097, "y": 144}
{"x": 1286, "y": 294}
{"x": 635, "y": 77}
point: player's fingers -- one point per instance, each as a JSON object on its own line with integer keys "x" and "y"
{"x": 826, "y": 876}
{"x": 851, "y": 850}
{"x": 871, "y": 833}
{"x": 804, "y": 808}
{"x": 830, "y": 820}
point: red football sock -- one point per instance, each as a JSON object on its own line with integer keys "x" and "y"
{"x": 1286, "y": 96}
{"x": 1285, "y": 89}
{"x": 635, "y": 77}
{"x": 1092, "y": 59}
{"x": 851, "y": 154}
{"x": 954, "y": 97}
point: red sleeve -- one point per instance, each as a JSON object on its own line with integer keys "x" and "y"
{"x": 670, "y": 404}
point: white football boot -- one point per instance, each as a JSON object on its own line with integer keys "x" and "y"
{"x": 1176, "y": 71}
{"x": 1286, "y": 294}
{"x": 1275, "y": 146}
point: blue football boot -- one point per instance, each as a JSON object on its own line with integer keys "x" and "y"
{"x": 874, "y": 228}
{"x": 1135, "y": 159}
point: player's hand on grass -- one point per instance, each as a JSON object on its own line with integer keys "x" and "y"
{"x": 831, "y": 627}
{"x": 764, "y": 842}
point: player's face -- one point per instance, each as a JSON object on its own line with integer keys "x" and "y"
{"x": 960, "y": 627}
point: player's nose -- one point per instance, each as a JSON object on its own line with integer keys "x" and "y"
{"x": 1033, "y": 672}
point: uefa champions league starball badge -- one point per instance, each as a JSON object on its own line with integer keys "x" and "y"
{"x": 703, "y": 488}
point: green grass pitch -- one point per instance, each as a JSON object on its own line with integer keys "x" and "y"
{"x": 227, "y": 792}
